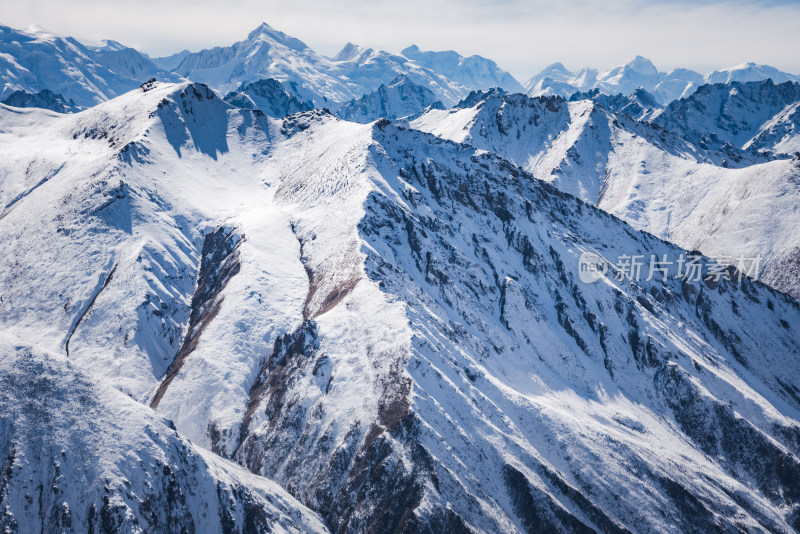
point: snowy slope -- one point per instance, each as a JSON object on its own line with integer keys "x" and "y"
{"x": 400, "y": 98}
{"x": 81, "y": 457}
{"x": 725, "y": 213}
{"x": 33, "y": 60}
{"x": 391, "y": 325}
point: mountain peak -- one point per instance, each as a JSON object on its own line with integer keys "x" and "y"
{"x": 261, "y": 29}
{"x": 350, "y": 52}
{"x": 410, "y": 50}
{"x": 265, "y": 32}
{"x": 556, "y": 67}
{"x": 34, "y": 30}
{"x": 108, "y": 44}
{"x": 400, "y": 79}
{"x": 642, "y": 65}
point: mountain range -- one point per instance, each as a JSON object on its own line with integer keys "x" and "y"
{"x": 255, "y": 289}
{"x": 556, "y": 79}
{"x": 34, "y": 59}
{"x": 387, "y": 324}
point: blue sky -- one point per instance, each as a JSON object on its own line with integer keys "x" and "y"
{"x": 521, "y": 36}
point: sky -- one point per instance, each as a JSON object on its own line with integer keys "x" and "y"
{"x": 521, "y": 36}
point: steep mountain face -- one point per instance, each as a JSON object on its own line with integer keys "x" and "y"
{"x": 641, "y": 73}
{"x": 81, "y": 457}
{"x": 639, "y": 105}
{"x": 401, "y": 98}
{"x": 270, "y": 96}
{"x": 758, "y": 116}
{"x": 44, "y": 99}
{"x": 32, "y": 60}
{"x": 646, "y": 175}
{"x": 392, "y": 326}
{"x": 474, "y": 72}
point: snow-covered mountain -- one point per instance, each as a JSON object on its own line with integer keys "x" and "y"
{"x": 750, "y": 72}
{"x": 81, "y": 457}
{"x": 750, "y": 115}
{"x": 269, "y": 53}
{"x": 390, "y": 325}
{"x": 32, "y": 60}
{"x": 353, "y": 72}
{"x": 399, "y": 99}
{"x": 556, "y": 79}
{"x": 371, "y": 68}
{"x": 270, "y": 96}
{"x": 44, "y": 99}
{"x": 127, "y": 62}
{"x": 568, "y": 143}
{"x": 647, "y": 175}
{"x": 474, "y": 72}
{"x": 170, "y": 62}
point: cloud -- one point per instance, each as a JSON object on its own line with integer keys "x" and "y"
{"x": 521, "y": 36}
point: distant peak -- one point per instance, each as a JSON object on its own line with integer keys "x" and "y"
{"x": 261, "y": 29}
{"x": 108, "y": 44}
{"x": 349, "y": 52}
{"x": 413, "y": 49}
{"x": 352, "y": 52}
{"x": 265, "y": 32}
{"x": 555, "y": 66}
{"x": 643, "y": 65}
{"x": 37, "y": 31}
